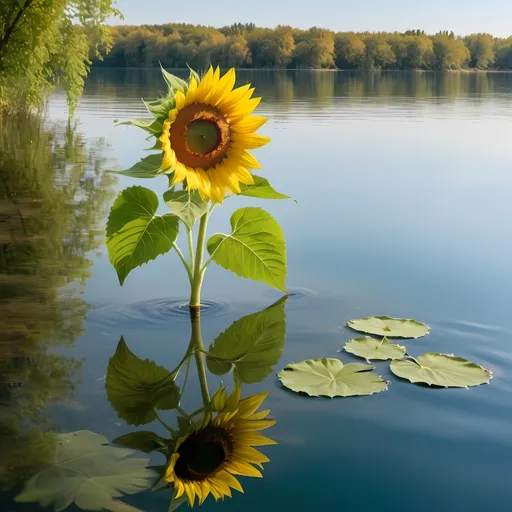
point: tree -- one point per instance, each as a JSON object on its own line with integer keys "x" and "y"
{"x": 450, "y": 53}
{"x": 314, "y": 49}
{"x": 349, "y": 50}
{"x": 481, "y": 48}
{"x": 47, "y": 42}
{"x": 379, "y": 53}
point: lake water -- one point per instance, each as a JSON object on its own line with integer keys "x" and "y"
{"x": 402, "y": 183}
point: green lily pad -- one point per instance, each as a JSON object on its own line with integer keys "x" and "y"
{"x": 330, "y": 377}
{"x": 390, "y": 327}
{"x": 441, "y": 370}
{"x": 87, "y": 472}
{"x": 371, "y": 348}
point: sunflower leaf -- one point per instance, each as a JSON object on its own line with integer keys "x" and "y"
{"x": 390, "y": 327}
{"x": 136, "y": 388}
{"x": 152, "y": 126}
{"x": 441, "y": 370}
{"x": 370, "y": 348}
{"x": 135, "y": 235}
{"x": 186, "y": 204}
{"x": 173, "y": 82}
{"x": 261, "y": 188}
{"x": 330, "y": 377}
{"x": 148, "y": 167}
{"x": 255, "y": 249}
{"x": 90, "y": 474}
{"x": 144, "y": 441}
{"x": 252, "y": 344}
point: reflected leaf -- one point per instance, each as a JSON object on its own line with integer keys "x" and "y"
{"x": 442, "y": 370}
{"x": 144, "y": 441}
{"x": 186, "y": 204}
{"x": 390, "y": 327}
{"x": 87, "y": 472}
{"x": 370, "y": 348}
{"x": 136, "y": 387}
{"x": 253, "y": 344}
{"x": 330, "y": 377}
{"x": 255, "y": 249}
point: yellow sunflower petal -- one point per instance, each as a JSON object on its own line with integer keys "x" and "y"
{"x": 229, "y": 480}
{"x": 191, "y": 93}
{"x": 257, "y": 439}
{"x": 179, "y": 488}
{"x": 180, "y": 100}
{"x": 259, "y": 415}
{"x": 167, "y": 159}
{"x": 244, "y": 109}
{"x": 189, "y": 491}
{"x": 248, "y": 426}
{"x": 244, "y": 175}
{"x": 170, "y": 469}
{"x": 242, "y": 469}
{"x": 204, "y": 85}
{"x": 249, "y": 454}
{"x": 248, "y": 124}
{"x": 249, "y": 161}
{"x": 226, "y": 84}
{"x": 250, "y": 141}
{"x": 248, "y": 405}
{"x": 180, "y": 173}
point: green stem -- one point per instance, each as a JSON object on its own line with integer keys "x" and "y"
{"x": 191, "y": 248}
{"x": 185, "y": 264}
{"x": 197, "y": 280}
{"x": 199, "y": 356}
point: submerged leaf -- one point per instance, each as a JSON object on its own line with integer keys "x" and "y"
{"x": 87, "y": 472}
{"x": 442, "y": 370}
{"x": 255, "y": 249}
{"x": 252, "y": 344}
{"x": 330, "y": 377}
{"x": 135, "y": 235}
{"x": 390, "y": 327}
{"x": 370, "y": 348}
{"x": 136, "y": 387}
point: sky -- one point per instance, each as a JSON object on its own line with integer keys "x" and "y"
{"x": 461, "y": 16}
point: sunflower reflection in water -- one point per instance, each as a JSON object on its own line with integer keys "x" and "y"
{"x": 209, "y": 457}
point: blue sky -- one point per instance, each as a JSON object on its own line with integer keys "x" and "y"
{"x": 462, "y": 16}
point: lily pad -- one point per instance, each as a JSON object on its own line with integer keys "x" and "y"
{"x": 330, "y": 377}
{"x": 390, "y": 327}
{"x": 371, "y": 348}
{"x": 441, "y": 370}
{"x": 87, "y": 472}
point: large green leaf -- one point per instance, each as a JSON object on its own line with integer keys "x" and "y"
{"x": 330, "y": 377}
{"x": 261, "y": 188}
{"x": 186, "y": 204}
{"x": 148, "y": 167}
{"x": 135, "y": 235}
{"x": 390, "y": 327}
{"x": 252, "y": 344}
{"x": 255, "y": 249}
{"x": 370, "y": 348}
{"x": 441, "y": 370}
{"x": 136, "y": 387}
{"x": 88, "y": 473}
{"x": 144, "y": 441}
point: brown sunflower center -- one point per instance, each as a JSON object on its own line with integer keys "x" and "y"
{"x": 203, "y": 453}
{"x": 200, "y": 136}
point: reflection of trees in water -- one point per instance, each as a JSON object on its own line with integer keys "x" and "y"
{"x": 52, "y": 193}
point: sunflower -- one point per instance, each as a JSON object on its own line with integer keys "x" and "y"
{"x": 207, "y": 134}
{"x": 207, "y": 458}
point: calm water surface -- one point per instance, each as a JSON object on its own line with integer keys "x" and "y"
{"x": 402, "y": 184}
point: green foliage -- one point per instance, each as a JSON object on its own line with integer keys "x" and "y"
{"x": 390, "y": 327}
{"x": 186, "y": 204}
{"x": 143, "y": 441}
{"x": 330, "y": 377}
{"x": 246, "y": 46}
{"x": 261, "y": 188}
{"x": 136, "y": 388}
{"x": 255, "y": 248}
{"x": 48, "y": 42}
{"x": 370, "y": 348}
{"x": 90, "y": 474}
{"x": 148, "y": 167}
{"x": 441, "y": 370}
{"x": 135, "y": 234}
{"x": 252, "y": 345}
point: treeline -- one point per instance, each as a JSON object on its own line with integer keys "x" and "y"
{"x": 248, "y": 46}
